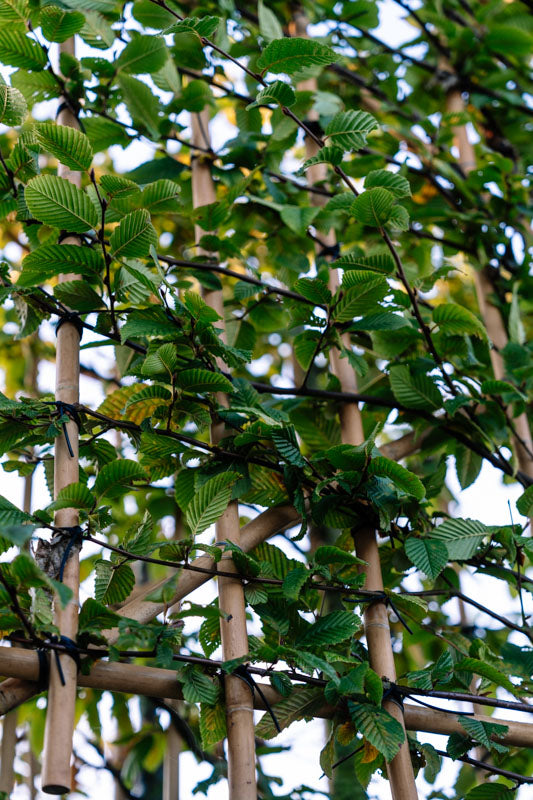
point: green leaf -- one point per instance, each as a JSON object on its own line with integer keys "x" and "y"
{"x": 198, "y": 688}
{"x": 401, "y": 477}
{"x": 143, "y": 106}
{"x": 68, "y": 145}
{"x": 277, "y": 92}
{"x": 326, "y": 155}
{"x": 301, "y": 703}
{"x": 55, "y": 259}
{"x": 94, "y": 616}
{"x": 298, "y": 218}
{"x": 394, "y": 183}
{"x": 294, "y": 581}
{"x": 363, "y": 291}
{"x": 18, "y": 50}
{"x": 13, "y": 108}
{"x": 144, "y": 54}
{"x": 75, "y": 495}
{"x": 485, "y": 670}
{"x": 329, "y": 554}
{"x": 414, "y": 391}
{"x": 118, "y": 473}
{"x": 467, "y": 465}
{"x": 203, "y": 380}
{"x": 201, "y": 26}
{"x": 429, "y": 555}
{"x": 456, "y": 320}
{"x": 10, "y": 514}
{"x": 524, "y": 503}
{"x": 212, "y": 724}
{"x": 378, "y": 727}
{"x": 292, "y": 55}
{"x": 313, "y": 289}
{"x": 59, "y": 25}
{"x": 483, "y": 732}
{"x": 509, "y": 40}
{"x": 491, "y": 791}
{"x": 133, "y": 236}
{"x": 113, "y": 583}
{"x": 349, "y": 129}
{"x": 269, "y": 27}
{"x": 382, "y": 262}
{"x": 462, "y": 537}
{"x": 517, "y": 331}
{"x": 287, "y": 445}
{"x": 373, "y": 207}
{"x": 210, "y": 502}
{"x": 78, "y": 295}
{"x": 330, "y": 629}
{"x": 14, "y": 12}
{"x": 57, "y": 202}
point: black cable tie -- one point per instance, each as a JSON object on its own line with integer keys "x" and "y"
{"x": 70, "y": 411}
{"x": 71, "y": 650}
{"x": 329, "y": 250}
{"x": 245, "y": 675}
{"x": 388, "y": 602}
{"x": 44, "y": 669}
{"x": 76, "y": 537}
{"x": 74, "y": 319}
{"x": 393, "y": 693}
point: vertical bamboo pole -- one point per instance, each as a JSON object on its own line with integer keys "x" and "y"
{"x": 523, "y": 444}
{"x": 239, "y": 700}
{"x": 171, "y": 763}
{"x": 7, "y": 753}
{"x": 376, "y": 620}
{"x": 56, "y": 773}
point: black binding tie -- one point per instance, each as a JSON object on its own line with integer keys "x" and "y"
{"x": 70, "y": 649}
{"x": 73, "y": 318}
{"x": 76, "y": 537}
{"x": 245, "y": 675}
{"x": 44, "y": 669}
{"x": 70, "y": 411}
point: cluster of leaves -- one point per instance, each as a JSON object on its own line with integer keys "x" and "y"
{"x": 410, "y": 231}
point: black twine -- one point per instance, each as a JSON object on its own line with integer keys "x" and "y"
{"x": 245, "y": 675}
{"x": 76, "y": 537}
{"x": 70, "y": 411}
{"x": 71, "y": 650}
{"x": 74, "y": 319}
{"x": 44, "y": 669}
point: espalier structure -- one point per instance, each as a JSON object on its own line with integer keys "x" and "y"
{"x": 331, "y": 279}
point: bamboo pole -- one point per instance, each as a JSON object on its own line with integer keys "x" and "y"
{"x": 171, "y": 762}
{"x": 239, "y": 698}
{"x": 56, "y": 773}
{"x": 7, "y": 753}
{"x": 157, "y": 682}
{"x": 523, "y": 443}
{"x": 377, "y": 630}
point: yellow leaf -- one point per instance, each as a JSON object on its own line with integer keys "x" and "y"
{"x": 345, "y": 733}
{"x": 370, "y": 753}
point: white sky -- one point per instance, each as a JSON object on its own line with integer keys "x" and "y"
{"x": 486, "y": 501}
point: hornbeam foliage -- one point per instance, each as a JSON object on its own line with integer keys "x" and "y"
{"x": 430, "y": 313}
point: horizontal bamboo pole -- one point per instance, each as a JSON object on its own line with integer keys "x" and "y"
{"x": 156, "y": 682}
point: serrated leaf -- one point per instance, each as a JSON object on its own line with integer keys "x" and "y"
{"x": 67, "y": 144}
{"x": 18, "y": 50}
{"x": 201, "y": 26}
{"x": 269, "y": 27}
{"x": 401, "y": 477}
{"x": 75, "y": 495}
{"x": 462, "y": 537}
{"x": 133, "y": 236}
{"x": 294, "y": 581}
{"x": 144, "y": 54}
{"x": 113, "y": 583}
{"x": 298, "y": 218}
{"x": 54, "y": 259}
{"x": 326, "y": 155}
{"x": 394, "y": 183}
{"x": 95, "y": 616}
{"x": 349, "y": 129}
{"x": 491, "y": 791}
{"x": 57, "y": 202}
{"x": 414, "y": 391}
{"x": 203, "y": 380}
{"x": 485, "y": 670}
{"x": 381, "y": 262}
{"x": 119, "y": 473}
{"x": 79, "y": 296}
{"x": 362, "y": 291}
{"x": 292, "y": 55}
{"x": 379, "y": 728}
{"x": 59, "y": 25}
{"x": 287, "y": 445}
{"x": 483, "y": 732}
{"x": 13, "y": 108}
{"x": 198, "y": 688}
{"x": 209, "y": 502}
{"x": 456, "y": 320}
{"x": 11, "y": 515}
{"x": 302, "y": 703}
{"x": 467, "y": 465}
{"x": 212, "y": 724}
{"x": 329, "y": 554}
{"x": 429, "y": 555}
{"x": 313, "y": 289}
{"x": 143, "y": 106}
{"x": 277, "y": 92}
{"x": 524, "y": 503}
{"x": 330, "y": 629}
{"x": 305, "y": 346}
{"x": 373, "y": 207}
